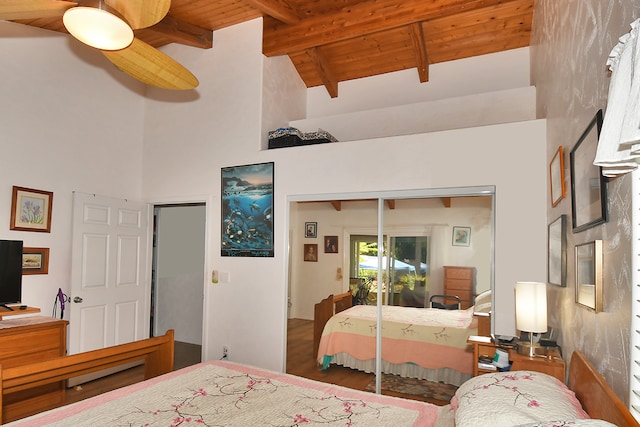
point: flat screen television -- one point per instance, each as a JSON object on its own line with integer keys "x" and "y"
{"x": 10, "y": 272}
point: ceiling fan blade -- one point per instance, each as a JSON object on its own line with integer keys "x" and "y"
{"x": 141, "y": 13}
{"x": 150, "y": 66}
{"x": 33, "y": 9}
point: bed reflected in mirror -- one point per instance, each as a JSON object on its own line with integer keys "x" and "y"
{"x": 423, "y": 260}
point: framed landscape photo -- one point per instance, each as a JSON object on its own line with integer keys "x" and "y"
{"x": 31, "y": 209}
{"x": 588, "y": 186}
{"x": 35, "y": 261}
{"x": 461, "y": 236}
{"x": 556, "y": 177}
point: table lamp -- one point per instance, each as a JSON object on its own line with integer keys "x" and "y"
{"x": 531, "y": 313}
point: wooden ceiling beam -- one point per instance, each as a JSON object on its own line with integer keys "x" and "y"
{"x": 420, "y": 50}
{"x": 324, "y": 71}
{"x": 183, "y": 32}
{"x": 360, "y": 19}
{"x": 281, "y": 10}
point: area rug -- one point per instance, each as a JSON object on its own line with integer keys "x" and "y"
{"x": 413, "y": 386}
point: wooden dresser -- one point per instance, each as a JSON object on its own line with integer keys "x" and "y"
{"x": 460, "y": 281}
{"x": 26, "y": 340}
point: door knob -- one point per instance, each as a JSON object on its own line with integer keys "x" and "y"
{"x": 77, "y": 299}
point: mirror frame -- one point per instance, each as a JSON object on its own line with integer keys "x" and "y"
{"x": 588, "y": 261}
{"x": 382, "y": 196}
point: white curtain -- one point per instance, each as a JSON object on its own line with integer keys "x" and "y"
{"x": 619, "y": 145}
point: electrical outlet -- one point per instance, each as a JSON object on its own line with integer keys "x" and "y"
{"x": 225, "y": 352}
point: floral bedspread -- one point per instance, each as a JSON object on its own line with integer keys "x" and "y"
{"x": 427, "y": 337}
{"x": 221, "y": 393}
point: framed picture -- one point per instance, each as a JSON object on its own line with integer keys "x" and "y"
{"x": 588, "y": 186}
{"x": 247, "y": 211}
{"x": 589, "y": 275}
{"x": 310, "y": 229}
{"x": 31, "y": 209}
{"x": 556, "y": 177}
{"x": 35, "y": 261}
{"x": 330, "y": 244}
{"x": 557, "y": 252}
{"x": 311, "y": 252}
{"x": 461, "y": 236}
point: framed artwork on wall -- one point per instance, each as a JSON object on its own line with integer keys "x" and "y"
{"x": 557, "y": 252}
{"x": 589, "y": 275}
{"x": 35, "y": 261}
{"x": 556, "y": 177}
{"x": 31, "y": 209}
{"x": 310, "y": 230}
{"x": 311, "y": 252}
{"x": 588, "y": 186}
{"x": 461, "y": 236}
{"x": 330, "y": 244}
{"x": 247, "y": 211}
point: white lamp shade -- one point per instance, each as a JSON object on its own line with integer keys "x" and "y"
{"x": 531, "y": 306}
{"x": 98, "y": 28}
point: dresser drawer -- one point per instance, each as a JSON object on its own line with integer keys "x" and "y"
{"x": 458, "y": 273}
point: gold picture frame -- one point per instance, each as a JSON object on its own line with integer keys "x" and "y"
{"x": 31, "y": 210}
{"x": 588, "y": 264}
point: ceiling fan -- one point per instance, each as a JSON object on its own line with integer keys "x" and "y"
{"x": 133, "y": 56}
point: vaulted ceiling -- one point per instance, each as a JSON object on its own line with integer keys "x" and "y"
{"x": 330, "y": 41}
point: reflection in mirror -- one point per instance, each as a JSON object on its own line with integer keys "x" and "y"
{"x": 589, "y": 275}
{"x": 419, "y": 260}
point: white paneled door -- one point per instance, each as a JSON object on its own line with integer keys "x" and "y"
{"x": 110, "y": 283}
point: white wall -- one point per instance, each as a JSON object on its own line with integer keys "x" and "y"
{"x": 70, "y": 122}
{"x": 453, "y": 79}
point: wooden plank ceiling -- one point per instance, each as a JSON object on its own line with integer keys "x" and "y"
{"x": 331, "y": 41}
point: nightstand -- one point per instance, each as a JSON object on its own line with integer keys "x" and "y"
{"x": 552, "y": 364}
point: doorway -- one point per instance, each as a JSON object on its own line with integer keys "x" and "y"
{"x": 405, "y": 273}
{"x": 177, "y": 294}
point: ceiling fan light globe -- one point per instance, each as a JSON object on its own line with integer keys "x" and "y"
{"x": 98, "y": 28}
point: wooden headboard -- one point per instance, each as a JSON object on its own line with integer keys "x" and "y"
{"x": 323, "y": 311}
{"x": 597, "y": 398}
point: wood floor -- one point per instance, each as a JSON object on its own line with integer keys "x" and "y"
{"x": 300, "y": 362}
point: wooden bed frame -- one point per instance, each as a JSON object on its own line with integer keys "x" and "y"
{"x": 323, "y": 311}
{"x": 595, "y": 395}
{"x": 156, "y": 353}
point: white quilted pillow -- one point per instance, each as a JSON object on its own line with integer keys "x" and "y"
{"x": 513, "y": 398}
